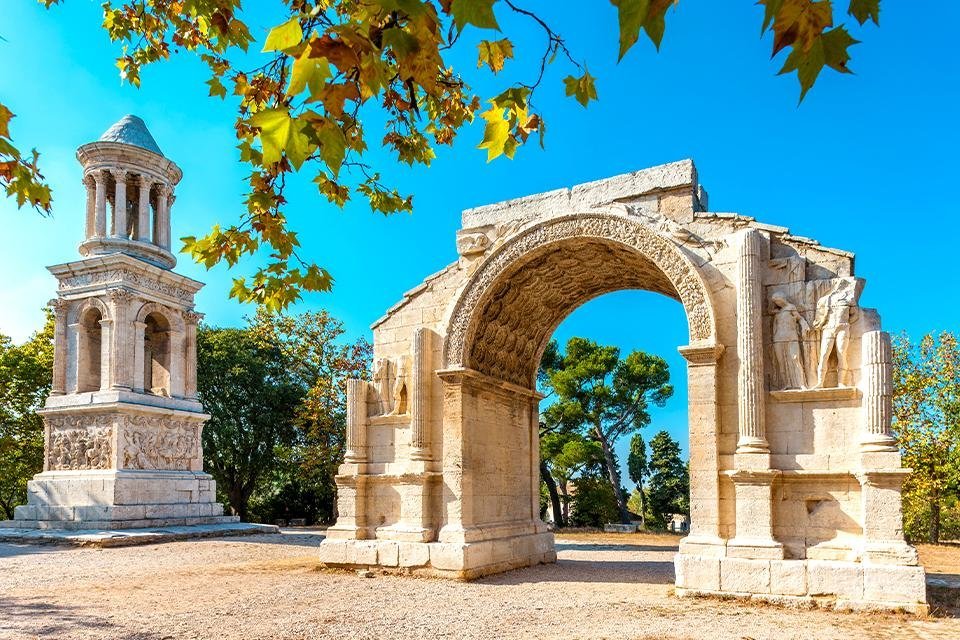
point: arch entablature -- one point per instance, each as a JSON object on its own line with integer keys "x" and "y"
{"x": 523, "y": 290}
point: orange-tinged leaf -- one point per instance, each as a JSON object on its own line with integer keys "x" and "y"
{"x": 494, "y": 53}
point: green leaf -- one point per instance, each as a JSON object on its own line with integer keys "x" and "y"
{"x": 284, "y": 36}
{"x": 333, "y": 146}
{"x": 479, "y": 13}
{"x": 631, "y": 15}
{"x": 828, "y": 50}
{"x": 216, "y": 87}
{"x": 863, "y": 10}
{"x": 298, "y": 145}
{"x": 308, "y": 72}
{"x": 494, "y": 53}
{"x": 584, "y": 88}
{"x": 279, "y": 133}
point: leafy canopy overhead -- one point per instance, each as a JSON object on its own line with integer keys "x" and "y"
{"x": 328, "y": 63}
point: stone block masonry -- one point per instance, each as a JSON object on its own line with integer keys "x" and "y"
{"x": 795, "y": 487}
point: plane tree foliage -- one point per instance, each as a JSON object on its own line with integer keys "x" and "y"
{"x": 304, "y": 91}
{"x": 328, "y": 66}
{"x": 26, "y": 371}
{"x": 926, "y": 422}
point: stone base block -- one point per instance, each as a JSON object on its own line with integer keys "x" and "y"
{"x": 119, "y": 500}
{"x": 463, "y": 561}
{"x": 835, "y": 584}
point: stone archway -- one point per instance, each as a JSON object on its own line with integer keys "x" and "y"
{"x": 795, "y": 480}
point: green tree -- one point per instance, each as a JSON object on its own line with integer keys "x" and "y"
{"x": 330, "y": 66}
{"x": 246, "y": 386}
{"x": 26, "y": 372}
{"x": 926, "y": 422}
{"x": 569, "y": 455}
{"x": 312, "y": 347}
{"x": 668, "y": 490}
{"x": 594, "y": 502}
{"x": 605, "y": 397}
{"x": 637, "y": 470}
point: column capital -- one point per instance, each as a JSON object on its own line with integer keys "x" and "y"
{"x": 118, "y": 173}
{"x": 58, "y": 305}
{"x": 192, "y": 317}
{"x": 119, "y": 296}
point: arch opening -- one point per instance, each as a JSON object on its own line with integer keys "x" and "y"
{"x": 90, "y": 345}
{"x": 156, "y": 354}
{"x": 630, "y": 321}
{"x": 522, "y": 310}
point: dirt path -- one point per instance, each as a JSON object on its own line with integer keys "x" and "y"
{"x": 268, "y": 587}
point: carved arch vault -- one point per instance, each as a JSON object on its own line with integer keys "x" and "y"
{"x": 512, "y": 304}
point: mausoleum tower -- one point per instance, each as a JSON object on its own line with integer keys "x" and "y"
{"x": 122, "y": 441}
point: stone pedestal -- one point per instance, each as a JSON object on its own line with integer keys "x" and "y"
{"x": 117, "y": 465}
{"x": 122, "y": 425}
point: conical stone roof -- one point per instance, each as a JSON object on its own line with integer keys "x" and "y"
{"x": 133, "y": 131}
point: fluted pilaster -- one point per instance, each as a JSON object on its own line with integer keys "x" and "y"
{"x": 750, "y": 378}
{"x": 419, "y": 394}
{"x": 878, "y": 392}
{"x": 356, "y": 421}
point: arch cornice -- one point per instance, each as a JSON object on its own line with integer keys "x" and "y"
{"x": 689, "y": 285}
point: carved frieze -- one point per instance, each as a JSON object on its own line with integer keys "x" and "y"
{"x": 79, "y": 443}
{"x": 158, "y": 443}
{"x": 125, "y": 276}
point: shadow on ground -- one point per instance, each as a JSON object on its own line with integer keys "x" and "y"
{"x": 33, "y": 618}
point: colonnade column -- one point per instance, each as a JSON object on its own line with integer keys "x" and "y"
{"x": 100, "y": 204}
{"x": 59, "y": 386}
{"x": 120, "y": 203}
{"x": 143, "y": 210}
{"x": 90, "y": 228}
{"x": 162, "y": 231}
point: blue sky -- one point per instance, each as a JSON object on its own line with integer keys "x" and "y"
{"x": 867, "y": 163}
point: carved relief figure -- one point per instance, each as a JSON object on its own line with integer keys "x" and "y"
{"x": 836, "y": 311}
{"x": 152, "y": 444}
{"x": 79, "y": 449}
{"x": 400, "y": 389}
{"x": 381, "y": 384}
{"x": 788, "y": 326}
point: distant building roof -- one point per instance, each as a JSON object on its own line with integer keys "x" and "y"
{"x": 133, "y": 131}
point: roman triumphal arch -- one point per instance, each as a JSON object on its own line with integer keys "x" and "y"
{"x": 795, "y": 478}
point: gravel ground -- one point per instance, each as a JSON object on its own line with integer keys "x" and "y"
{"x": 268, "y": 587}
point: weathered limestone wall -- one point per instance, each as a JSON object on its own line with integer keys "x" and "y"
{"x": 794, "y": 476}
